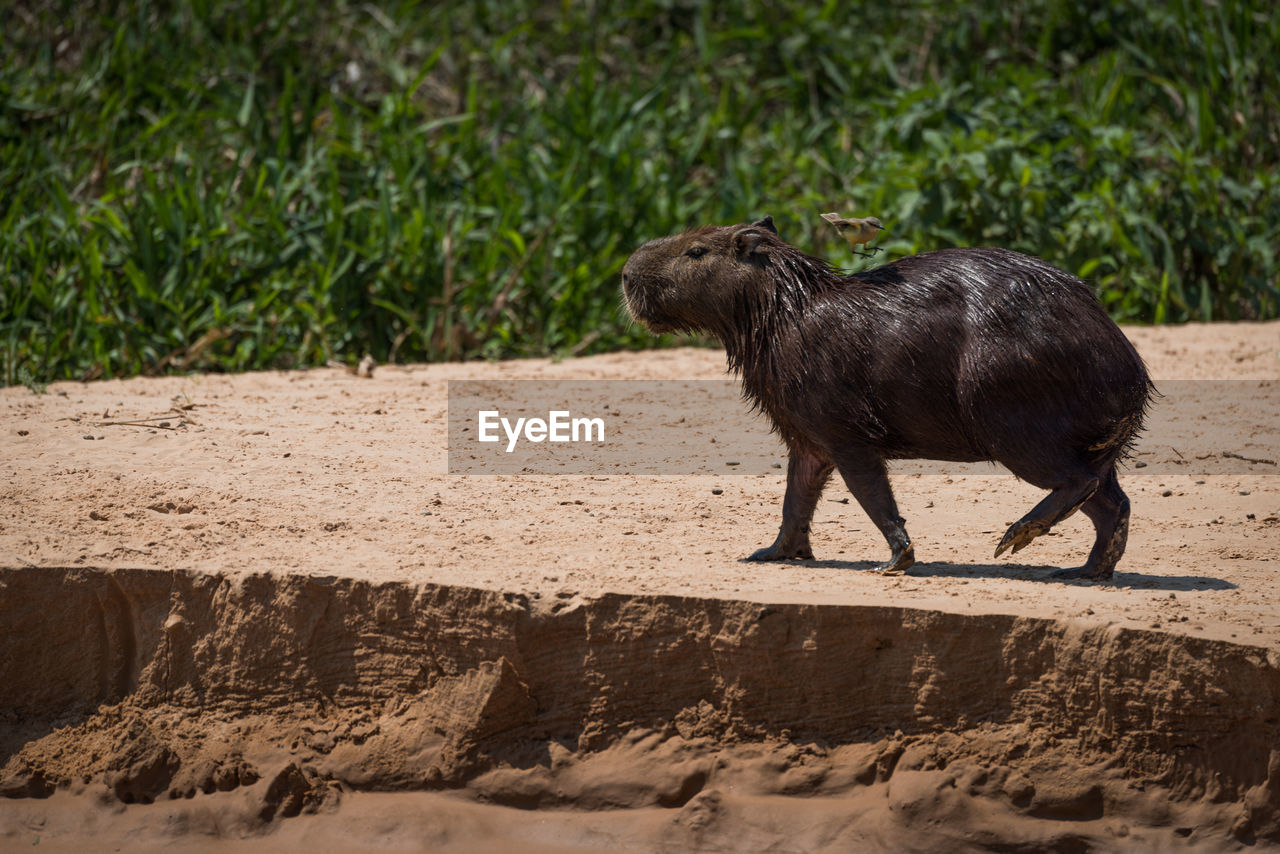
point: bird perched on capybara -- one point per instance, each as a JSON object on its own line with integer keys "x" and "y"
{"x": 959, "y": 354}
{"x": 857, "y": 232}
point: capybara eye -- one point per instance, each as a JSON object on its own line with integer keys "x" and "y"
{"x": 697, "y": 252}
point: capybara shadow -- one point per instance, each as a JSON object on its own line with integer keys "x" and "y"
{"x": 1038, "y": 573}
{"x": 966, "y": 355}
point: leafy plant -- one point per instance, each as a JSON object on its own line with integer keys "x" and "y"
{"x": 241, "y": 185}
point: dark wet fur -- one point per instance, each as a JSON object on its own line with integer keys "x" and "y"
{"x": 960, "y": 354}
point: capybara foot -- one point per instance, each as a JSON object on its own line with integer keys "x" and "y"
{"x": 1020, "y": 535}
{"x": 1084, "y": 573}
{"x": 899, "y": 563}
{"x": 777, "y": 552}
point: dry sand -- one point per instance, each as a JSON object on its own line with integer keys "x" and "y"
{"x": 285, "y": 604}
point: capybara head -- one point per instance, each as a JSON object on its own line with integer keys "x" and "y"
{"x": 701, "y": 280}
{"x": 687, "y": 281}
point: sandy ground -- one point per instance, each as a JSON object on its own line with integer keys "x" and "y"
{"x": 268, "y": 597}
{"x": 323, "y": 472}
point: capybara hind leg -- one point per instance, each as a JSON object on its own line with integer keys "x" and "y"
{"x": 806, "y": 476}
{"x": 1108, "y": 509}
{"x": 1058, "y": 505}
{"x": 865, "y": 475}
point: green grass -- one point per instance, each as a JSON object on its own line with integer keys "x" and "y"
{"x": 238, "y": 185}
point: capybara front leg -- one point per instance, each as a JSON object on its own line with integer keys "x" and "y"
{"x": 865, "y": 475}
{"x": 1108, "y": 509}
{"x": 1056, "y": 506}
{"x": 806, "y": 476}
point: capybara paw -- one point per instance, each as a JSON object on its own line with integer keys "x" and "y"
{"x": 1020, "y": 535}
{"x": 899, "y": 563}
{"x": 776, "y": 552}
{"x": 1084, "y": 573}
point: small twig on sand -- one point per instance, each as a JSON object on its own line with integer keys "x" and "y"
{"x": 141, "y": 422}
{"x": 160, "y": 422}
{"x": 1235, "y": 456}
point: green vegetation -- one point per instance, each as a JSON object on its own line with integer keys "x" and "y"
{"x": 271, "y": 183}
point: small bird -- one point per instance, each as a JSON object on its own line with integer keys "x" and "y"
{"x": 857, "y": 232}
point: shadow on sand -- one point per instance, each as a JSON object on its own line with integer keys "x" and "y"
{"x": 1033, "y": 572}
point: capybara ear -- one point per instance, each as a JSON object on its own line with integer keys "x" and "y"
{"x": 747, "y": 240}
{"x": 767, "y": 224}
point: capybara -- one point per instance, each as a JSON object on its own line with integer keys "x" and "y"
{"x": 959, "y": 354}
